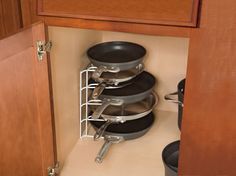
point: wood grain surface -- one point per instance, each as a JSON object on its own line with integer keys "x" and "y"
{"x": 26, "y": 136}
{"x": 165, "y": 12}
{"x": 33, "y": 11}
{"x": 208, "y": 146}
{"x": 118, "y": 26}
{"x": 29, "y": 12}
{"x": 10, "y": 17}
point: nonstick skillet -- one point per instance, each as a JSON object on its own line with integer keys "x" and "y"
{"x": 140, "y": 89}
{"x": 116, "y": 133}
{"x": 114, "y": 80}
{"x": 115, "y": 56}
{"x": 121, "y": 114}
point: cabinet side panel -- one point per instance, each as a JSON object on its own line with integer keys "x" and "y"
{"x": 68, "y": 58}
{"x": 2, "y": 29}
{"x": 208, "y": 132}
{"x": 10, "y": 17}
{"x": 29, "y": 12}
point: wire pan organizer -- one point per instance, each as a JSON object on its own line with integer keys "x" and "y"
{"x": 86, "y": 131}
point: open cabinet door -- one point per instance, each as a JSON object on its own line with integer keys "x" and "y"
{"x": 26, "y": 133}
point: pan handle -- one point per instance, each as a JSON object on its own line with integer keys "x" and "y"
{"x": 101, "y": 130}
{"x": 105, "y": 103}
{"x": 109, "y": 140}
{"x": 98, "y": 72}
{"x": 170, "y": 98}
{"x": 98, "y": 90}
{"x": 101, "y": 154}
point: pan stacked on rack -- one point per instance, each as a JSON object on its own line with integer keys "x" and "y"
{"x": 125, "y": 90}
{"x": 117, "y": 63}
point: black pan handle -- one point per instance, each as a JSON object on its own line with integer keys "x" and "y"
{"x": 172, "y": 98}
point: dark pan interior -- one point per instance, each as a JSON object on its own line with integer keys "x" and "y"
{"x": 170, "y": 155}
{"x": 131, "y": 126}
{"x": 172, "y": 160}
{"x": 142, "y": 83}
{"x": 116, "y": 52}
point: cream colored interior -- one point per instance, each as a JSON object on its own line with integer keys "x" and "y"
{"x": 67, "y": 59}
{"x": 166, "y": 59}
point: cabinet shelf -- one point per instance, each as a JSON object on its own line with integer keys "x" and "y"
{"x": 136, "y": 157}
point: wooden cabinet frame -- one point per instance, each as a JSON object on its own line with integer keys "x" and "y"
{"x": 208, "y": 131}
{"x": 91, "y": 10}
{"x": 33, "y": 11}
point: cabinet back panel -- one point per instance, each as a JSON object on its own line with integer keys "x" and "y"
{"x": 166, "y": 59}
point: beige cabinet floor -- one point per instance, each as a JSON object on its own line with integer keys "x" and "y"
{"x": 139, "y": 157}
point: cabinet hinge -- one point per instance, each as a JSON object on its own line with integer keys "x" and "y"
{"x": 42, "y": 48}
{"x": 55, "y": 170}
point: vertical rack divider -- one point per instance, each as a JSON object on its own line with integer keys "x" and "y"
{"x": 86, "y": 107}
{"x": 84, "y": 115}
{"x": 80, "y": 103}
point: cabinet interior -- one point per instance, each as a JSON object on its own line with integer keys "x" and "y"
{"x": 166, "y": 59}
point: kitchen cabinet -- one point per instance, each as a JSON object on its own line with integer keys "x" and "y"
{"x": 208, "y": 131}
{"x": 10, "y": 17}
{"x": 158, "y": 17}
{"x": 160, "y": 12}
{"x": 66, "y": 63}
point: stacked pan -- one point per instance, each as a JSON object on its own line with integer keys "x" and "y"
{"x": 125, "y": 91}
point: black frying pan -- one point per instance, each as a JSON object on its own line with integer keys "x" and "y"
{"x": 114, "y": 80}
{"x": 121, "y": 114}
{"x": 115, "y": 56}
{"x": 116, "y": 133}
{"x": 141, "y": 87}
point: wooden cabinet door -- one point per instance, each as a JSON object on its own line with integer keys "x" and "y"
{"x": 208, "y": 135}
{"x": 26, "y": 135}
{"x": 161, "y": 12}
